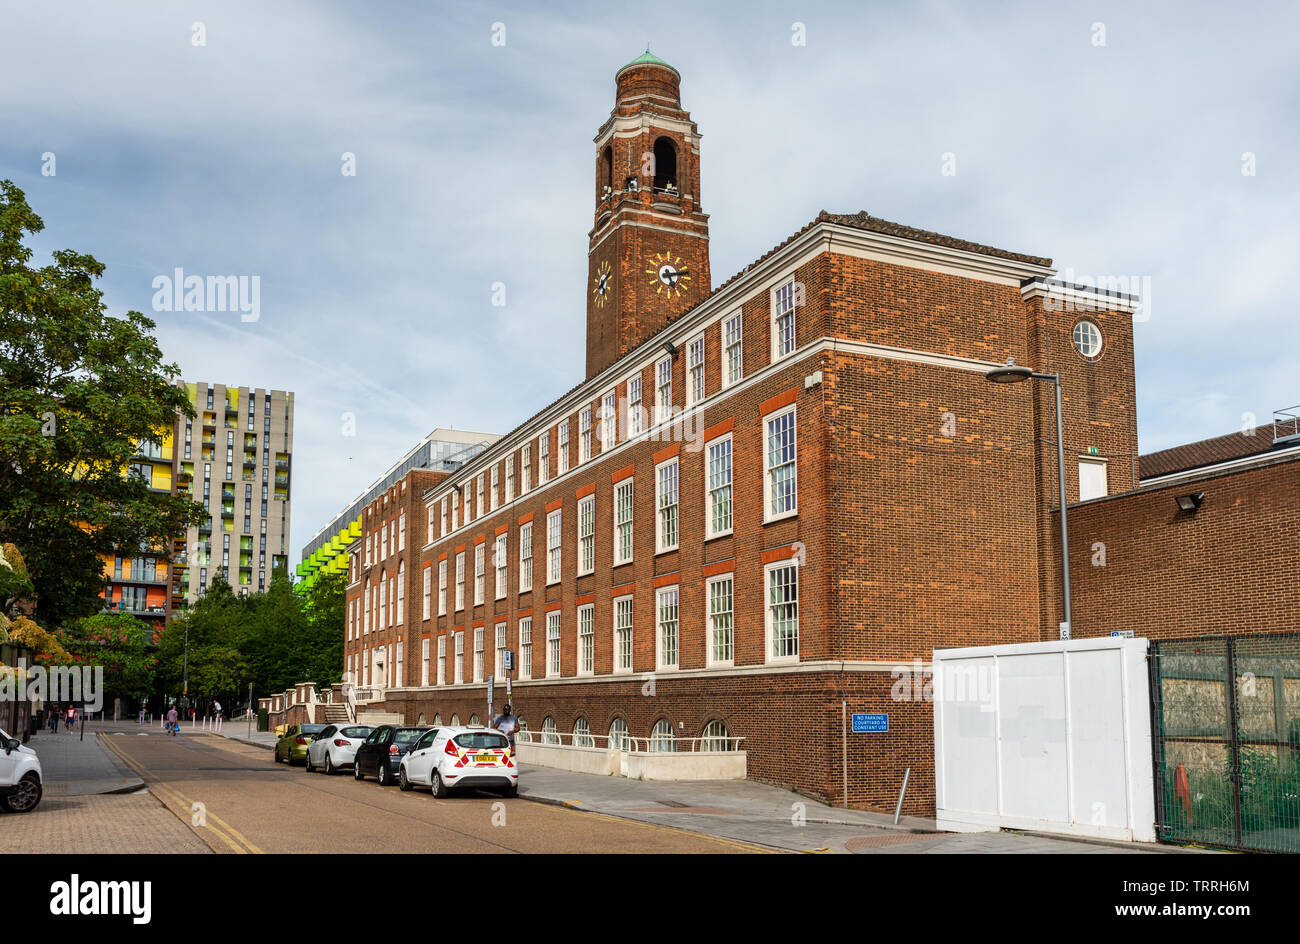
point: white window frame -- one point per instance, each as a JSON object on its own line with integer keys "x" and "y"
{"x": 696, "y": 378}
{"x": 401, "y": 532}
{"x": 635, "y": 407}
{"x": 499, "y": 648}
{"x": 480, "y": 567}
{"x": 629, "y": 506}
{"x": 733, "y": 368}
{"x": 442, "y": 587}
{"x": 713, "y": 492}
{"x": 710, "y": 629}
{"x": 666, "y": 598}
{"x": 510, "y": 478}
{"x": 608, "y": 421}
{"x": 562, "y": 447}
{"x": 554, "y": 636}
{"x": 668, "y": 512}
{"x": 478, "y": 497}
{"x": 586, "y": 535}
{"x": 460, "y": 658}
{"x": 444, "y": 517}
{"x": 428, "y": 593}
{"x": 442, "y": 660}
{"x": 424, "y": 663}
{"x": 500, "y": 557}
{"x": 586, "y": 648}
{"x": 784, "y": 343}
{"x": 768, "y": 469}
{"x": 663, "y": 389}
{"x": 544, "y": 458}
{"x": 1101, "y": 466}
{"x": 623, "y": 607}
{"x": 584, "y": 434}
{"x": 478, "y": 653}
{"x": 526, "y": 648}
{"x": 526, "y": 557}
{"x": 525, "y": 476}
{"x": 460, "y": 581}
{"x": 769, "y": 640}
{"x": 554, "y": 546}
{"x": 494, "y": 501}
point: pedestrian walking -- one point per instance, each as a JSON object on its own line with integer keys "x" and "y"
{"x": 70, "y": 719}
{"x": 173, "y": 724}
{"x": 216, "y": 707}
{"x": 54, "y": 720}
{"x": 507, "y": 724}
{"x": 140, "y": 720}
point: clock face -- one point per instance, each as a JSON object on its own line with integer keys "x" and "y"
{"x": 601, "y": 284}
{"x": 668, "y": 275}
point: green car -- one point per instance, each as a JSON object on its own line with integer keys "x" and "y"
{"x": 292, "y": 747}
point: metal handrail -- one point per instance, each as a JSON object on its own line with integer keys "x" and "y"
{"x": 1281, "y": 419}
{"x": 557, "y": 739}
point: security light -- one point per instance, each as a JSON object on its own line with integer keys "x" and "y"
{"x": 670, "y": 348}
{"x": 1190, "y": 502}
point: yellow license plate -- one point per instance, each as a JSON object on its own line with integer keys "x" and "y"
{"x": 485, "y": 759}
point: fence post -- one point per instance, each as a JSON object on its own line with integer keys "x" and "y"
{"x": 1233, "y": 747}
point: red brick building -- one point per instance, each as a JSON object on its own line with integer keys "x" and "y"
{"x": 763, "y": 497}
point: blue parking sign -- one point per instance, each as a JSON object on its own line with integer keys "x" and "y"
{"x": 870, "y": 724}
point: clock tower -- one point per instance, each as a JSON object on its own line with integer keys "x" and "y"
{"x": 648, "y": 255}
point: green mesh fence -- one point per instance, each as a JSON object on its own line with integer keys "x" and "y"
{"x": 1227, "y": 741}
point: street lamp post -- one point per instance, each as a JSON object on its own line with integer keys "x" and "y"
{"x": 1014, "y": 374}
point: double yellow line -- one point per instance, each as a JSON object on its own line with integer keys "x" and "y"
{"x": 232, "y": 837}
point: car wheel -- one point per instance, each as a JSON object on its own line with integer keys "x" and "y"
{"x": 439, "y": 788}
{"x": 511, "y": 792}
{"x": 356, "y": 771}
{"x": 403, "y": 781}
{"x": 385, "y": 775}
{"x": 311, "y": 768}
{"x": 330, "y": 769}
{"x": 26, "y": 795}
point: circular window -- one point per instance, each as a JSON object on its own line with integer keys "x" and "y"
{"x": 618, "y": 735}
{"x": 549, "y": 735}
{"x": 582, "y": 734}
{"x": 1087, "y": 339}
{"x": 661, "y": 736}
{"x": 716, "y": 737}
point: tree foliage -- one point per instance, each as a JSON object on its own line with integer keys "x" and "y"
{"x": 80, "y": 389}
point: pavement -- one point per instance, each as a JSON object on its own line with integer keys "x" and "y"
{"x": 76, "y": 765}
{"x": 765, "y": 816}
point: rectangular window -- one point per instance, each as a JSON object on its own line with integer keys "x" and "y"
{"x": 442, "y": 587}
{"x": 428, "y": 592}
{"x": 718, "y": 485}
{"x": 666, "y": 625}
{"x": 496, "y": 481}
{"x": 733, "y": 355}
{"x": 664, "y": 389}
{"x": 526, "y": 647}
{"x": 587, "y": 535}
{"x": 460, "y": 581}
{"x": 666, "y": 506}
{"x": 510, "y": 478}
{"x": 720, "y": 592}
{"x": 784, "y": 300}
{"x": 623, "y": 634}
{"x": 553, "y": 620}
{"x": 442, "y": 660}
{"x": 401, "y": 532}
{"x": 424, "y": 662}
{"x": 586, "y": 639}
{"x": 562, "y": 448}
{"x": 479, "y": 506}
{"x": 525, "y": 463}
{"x": 779, "y": 465}
{"x": 480, "y": 553}
{"x": 460, "y": 658}
{"x": 543, "y": 458}
{"x": 635, "y": 411}
{"x": 623, "y": 512}
{"x": 478, "y": 653}
{"x": 445, "y": 519}
{"x": 695, "y": 384}
{"x": 609, "y": 421}
{"x": 525, "y": 557}
{"x": 499, "y": 561}
{"x": 499, "y": 665}
{"x": 584, "y": 434}
{"x": 782, "y": 611}
{"x": 1092, "y": 479}
{"x": 553, "y": 543}
{"x": 455, "y": 513}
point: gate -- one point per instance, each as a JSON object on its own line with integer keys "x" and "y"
{"x": 1226, "y": 741}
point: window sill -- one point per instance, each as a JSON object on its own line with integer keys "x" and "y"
{"x": 720, "y": 534}
{"x": 782, "y": 517}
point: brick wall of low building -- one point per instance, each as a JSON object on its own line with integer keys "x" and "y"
{"x": 1139, "y": 563}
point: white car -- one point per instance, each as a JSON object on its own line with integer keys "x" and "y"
{"x": 449, "y": 759}
{"x": 336, "y": 747}
{"x": 21, "y": 779}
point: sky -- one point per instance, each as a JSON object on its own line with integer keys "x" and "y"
{"x": 1152, "y": 141}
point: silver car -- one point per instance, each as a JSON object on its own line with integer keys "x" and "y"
{"x": 335, "y": 748}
